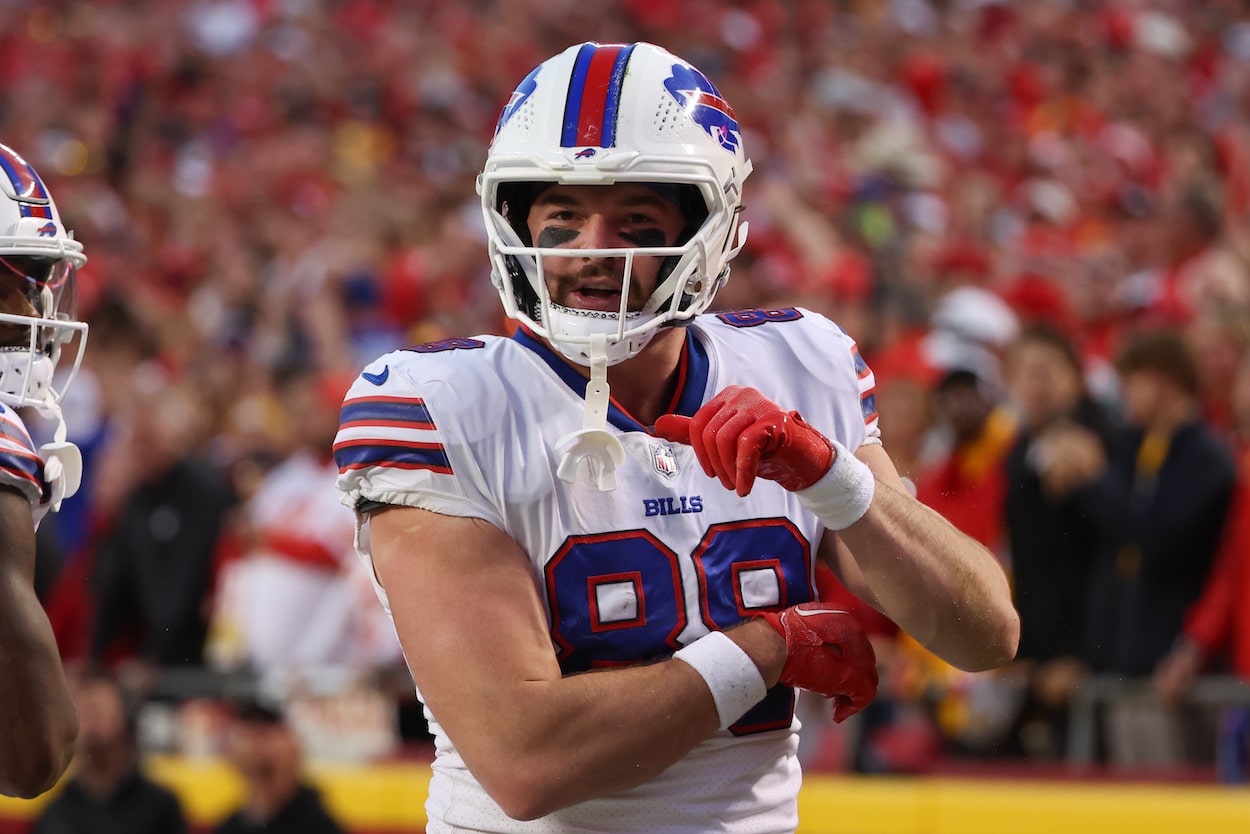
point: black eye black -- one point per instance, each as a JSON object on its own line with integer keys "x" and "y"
{"x": 550, "y": 237}
{"x": 645, "y": 238}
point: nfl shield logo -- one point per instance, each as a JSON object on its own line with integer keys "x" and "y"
{"x": 663, "y": 460}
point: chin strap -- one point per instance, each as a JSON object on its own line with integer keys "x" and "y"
{"x": 62, "y": 461}
{"x": 593, "y": 443}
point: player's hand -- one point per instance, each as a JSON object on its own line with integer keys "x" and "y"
{"x": 741, "y": 434}
{"x": 827, "y": 652}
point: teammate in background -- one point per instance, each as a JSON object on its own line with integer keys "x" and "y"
{"x": 38, "y": 259}
{"x": 606, "y": 595}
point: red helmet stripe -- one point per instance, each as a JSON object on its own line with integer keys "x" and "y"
{"x": 594, "y": 92}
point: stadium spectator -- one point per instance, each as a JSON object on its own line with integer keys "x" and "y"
{"x": 154, "y": 569}
{"x": 1216, "y": 632}
{"x": 297, "y": 597}
{"x": 108, "y": 793}
{"x": 1051, "y": 537}
{"x": 968, "y": 484}
{"x": 277, "y": 799}
{"x": 1160, "y": 507}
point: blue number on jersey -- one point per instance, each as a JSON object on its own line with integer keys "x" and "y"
{"x": 751, "y": 318}
{"x": 617, "y": 598}
{"x": 447, "y": 344}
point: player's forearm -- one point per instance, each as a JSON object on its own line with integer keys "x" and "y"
{"x": 947, "y": 591}
{"x": 37, "y": 718}
{"x": 589, "y": 735}
{"x": 599, "y": 733}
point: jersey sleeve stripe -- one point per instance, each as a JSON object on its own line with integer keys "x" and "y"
{"x": 15, "y": 433}
{"x": 385, "y": 433}
{"x": 387, "y": 411}
{"x": 362, "y": 454}
{"x": 394, "y": 424}
{"x": 862, "y": 371}
{"x": 25, "y": 470}
{"x": 10, "y": 449}
{"x": 868, "y": 405}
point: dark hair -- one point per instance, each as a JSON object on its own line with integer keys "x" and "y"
{"x": 130, "y": 702}
{"x": 257, "y": 710}
{"x": 1164, "y": 352}
{"x": 958, "y": 378}
{"x": 1048, "y": 335}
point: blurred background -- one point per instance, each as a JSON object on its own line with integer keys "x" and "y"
{"x": 1032, "y": 216}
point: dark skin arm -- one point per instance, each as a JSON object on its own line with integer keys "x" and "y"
{"x": 38, "y": 723}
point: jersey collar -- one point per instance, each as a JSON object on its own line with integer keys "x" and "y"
{"x": 692, "y": 374}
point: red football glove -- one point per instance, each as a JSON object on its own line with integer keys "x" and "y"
{"x": 827, "y": 652}
{"x": 740, "y": 434}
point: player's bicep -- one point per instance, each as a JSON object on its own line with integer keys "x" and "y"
{"x": 468, "y": 615}
{"x": 17, "y": 533}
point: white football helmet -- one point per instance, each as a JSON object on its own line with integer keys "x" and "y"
{"x": 38, "y": 262}
{"x": 598, "y": 114}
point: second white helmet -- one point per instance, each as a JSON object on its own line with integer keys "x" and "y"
{"x": 38, "y": 262}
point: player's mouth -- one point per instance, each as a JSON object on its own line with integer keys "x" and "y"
{"x": 603, "y": 298}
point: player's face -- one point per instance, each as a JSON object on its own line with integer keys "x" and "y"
{"x": 14, "y": 283}
{"x": 1043, "y": 383}
{"x": 623, "y": 215}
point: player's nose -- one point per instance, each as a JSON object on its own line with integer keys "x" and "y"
{"x": 597, "y": 233}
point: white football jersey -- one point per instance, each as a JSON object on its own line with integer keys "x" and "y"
{"x": 20, "y": 465}
{"x": 469, "y": 427}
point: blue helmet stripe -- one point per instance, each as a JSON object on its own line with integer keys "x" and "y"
{"x": 577, "y": 86}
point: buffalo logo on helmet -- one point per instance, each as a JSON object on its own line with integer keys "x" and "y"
{"x": 47, "y": 230}
{"x": 519, "y": 96}
{"x": 584, "y": 153}
{"x": 26, "y": 186}
{"x": 704, "y": 103}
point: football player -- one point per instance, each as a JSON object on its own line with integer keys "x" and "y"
{"x": 597, "y": 539}
{"x": 38, "y": 259}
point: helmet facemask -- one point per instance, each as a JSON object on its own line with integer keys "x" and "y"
{"x": 683, "y": 289}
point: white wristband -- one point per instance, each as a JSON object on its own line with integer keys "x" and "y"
{"x": 842, "y": 496}
{"x": 728, "y": 671}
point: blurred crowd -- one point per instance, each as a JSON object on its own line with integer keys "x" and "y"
{"x": 1031, "y": 216}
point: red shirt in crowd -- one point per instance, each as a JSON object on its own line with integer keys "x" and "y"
{"x": 1220, "y": 619}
